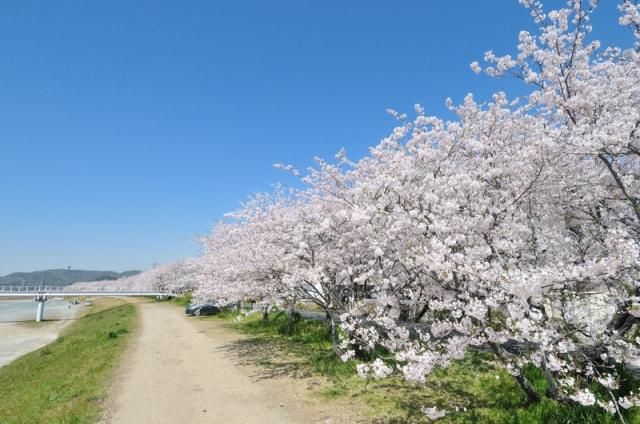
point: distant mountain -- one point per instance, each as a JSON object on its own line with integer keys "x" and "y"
{"x": 60, "y": 277}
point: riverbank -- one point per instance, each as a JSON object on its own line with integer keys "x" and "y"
{"x": 67, "y": 380}
{"x": 20, "y": 334}
{"x": 18, "y": 339}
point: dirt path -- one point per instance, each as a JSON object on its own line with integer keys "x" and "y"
{"x": 182, "y": 370}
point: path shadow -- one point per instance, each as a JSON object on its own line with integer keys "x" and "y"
{"x": 266, "y": 356}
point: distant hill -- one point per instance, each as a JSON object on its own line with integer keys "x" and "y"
{"x": 60, "y": 277}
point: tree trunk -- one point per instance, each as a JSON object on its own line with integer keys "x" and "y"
{"x": 335, "y": 339}
{"x": 530, "y": 391}
{"x": 265, "y": 313}
{"x": 292, "y": 308}
{"x": 523, "y": 382}
{"x": 405, "y": 314}
{"x": 553, "y": 390}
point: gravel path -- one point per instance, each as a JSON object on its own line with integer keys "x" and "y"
{"x": 186, "y": 370}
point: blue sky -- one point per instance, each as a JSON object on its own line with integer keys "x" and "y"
{"x": 126, "y": 128}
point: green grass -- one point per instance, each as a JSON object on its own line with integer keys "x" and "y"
{"x": 474, "y": 390}
{"x": 66, "y": 381}
{"x": 308, "y": 340}
{"x": 182, "y": 300}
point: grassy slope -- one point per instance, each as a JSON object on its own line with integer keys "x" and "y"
{"x": 475, "y": 390}
{"x": 66, "y": 381}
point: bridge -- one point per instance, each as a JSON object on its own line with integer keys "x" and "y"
{"x": 40, "y": 294}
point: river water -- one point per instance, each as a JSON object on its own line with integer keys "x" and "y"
{"x": 18, "y": 336}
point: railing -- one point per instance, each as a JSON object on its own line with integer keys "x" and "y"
{"x": 18, "y": 289}
{"x": 28, "y": 288}
{"x": 67, "y": 291}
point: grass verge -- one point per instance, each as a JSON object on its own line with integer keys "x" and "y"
{"x": 66, "y": 381}
{"x": 474, "y": 390}
{"x": 182, "y": 300}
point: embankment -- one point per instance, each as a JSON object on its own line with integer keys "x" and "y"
{"x": 67, "y": 380}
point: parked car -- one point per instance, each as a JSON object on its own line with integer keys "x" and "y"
{"x": 201, "y": 309}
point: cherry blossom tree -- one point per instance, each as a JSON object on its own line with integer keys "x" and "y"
{"x": 514, "y": 228}
{"x": 557, "y": 235}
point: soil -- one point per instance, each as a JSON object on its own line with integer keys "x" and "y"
{"x": 180, "y": 369}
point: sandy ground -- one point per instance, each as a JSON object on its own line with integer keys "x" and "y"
{"x": 22, "y": 336}
{"x": 17, "y": 339}
{"x": 186, "y": 370}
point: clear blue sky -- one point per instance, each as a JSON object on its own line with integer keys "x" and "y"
{"x": 128, "y": 127}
